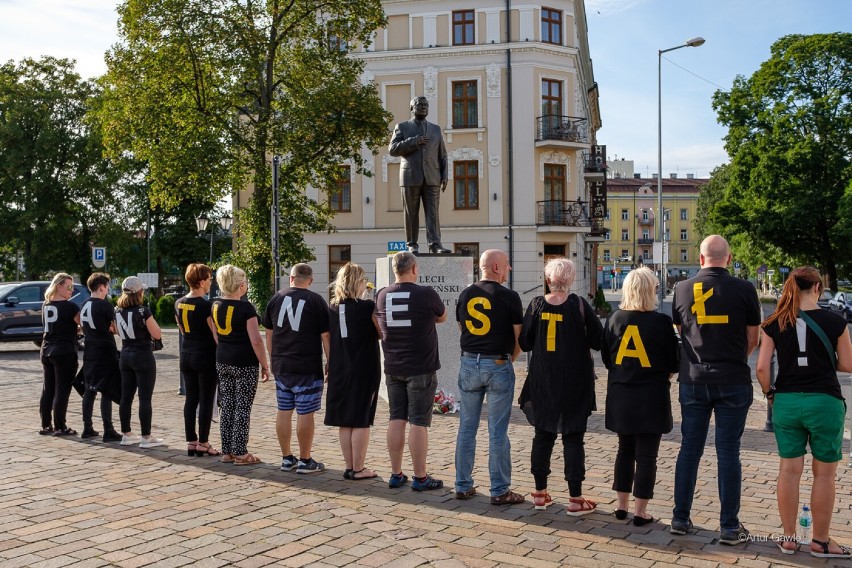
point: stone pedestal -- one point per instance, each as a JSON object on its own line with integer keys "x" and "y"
{"x": 448, "y": 275}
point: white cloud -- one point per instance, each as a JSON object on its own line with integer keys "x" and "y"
{"x": 76, "y": 29}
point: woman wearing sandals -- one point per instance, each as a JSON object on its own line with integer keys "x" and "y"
{"x": 641, "y": 352}
{"x": 194, "y": 317}
{"x": 137, "y": 328}
{"x": 807, "y": 404}
{"x": 239, "y": 351}
{"x": 353, "y": 368}
{"x": 61, "y": 318}
{"x": 560, "y": 329}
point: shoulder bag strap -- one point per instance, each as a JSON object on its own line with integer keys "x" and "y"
{"x": 809, "y": 321}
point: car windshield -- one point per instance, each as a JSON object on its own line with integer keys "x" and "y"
{"x": 4, "y": 289}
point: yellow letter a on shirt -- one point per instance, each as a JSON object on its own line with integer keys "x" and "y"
{"x": 632, "y": 333}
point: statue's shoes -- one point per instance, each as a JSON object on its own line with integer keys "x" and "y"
{"x": 414, "y": 249}
{"x": 439, "y": 249}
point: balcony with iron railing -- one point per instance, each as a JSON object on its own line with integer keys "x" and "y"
{"x": 593, "y": 166}
{"x": 564, "y": 131}
{"x": 644, "y": 241}
{"x": 568, "y": 214}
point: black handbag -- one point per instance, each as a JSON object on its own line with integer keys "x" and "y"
{"x": 157, "y": 344}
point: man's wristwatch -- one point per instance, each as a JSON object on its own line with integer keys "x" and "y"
{"x": 770, "y": 394}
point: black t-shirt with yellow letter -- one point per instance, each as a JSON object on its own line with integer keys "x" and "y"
{"x": 234, "y": 347}
{"x": 192, "y": 314}
{"x": 714, "y": 309}
{"x": 486, "y": 312}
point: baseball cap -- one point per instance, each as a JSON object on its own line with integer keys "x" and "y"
{"x": 133, "y": 284}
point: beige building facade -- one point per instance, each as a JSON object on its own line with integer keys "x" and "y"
{"x": 517, "y": 103}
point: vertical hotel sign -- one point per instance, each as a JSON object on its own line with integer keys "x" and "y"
{"x": 597, "y": 188}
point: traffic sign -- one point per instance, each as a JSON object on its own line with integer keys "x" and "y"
{"x": 99, "y": 256}
{"x": 783, "y": 269}
{"x": 738, "y": 264}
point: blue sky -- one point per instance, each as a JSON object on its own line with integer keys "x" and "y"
{"x": 624, "y": 36}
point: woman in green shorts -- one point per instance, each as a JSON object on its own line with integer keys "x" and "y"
{"x": 807, "y": 405}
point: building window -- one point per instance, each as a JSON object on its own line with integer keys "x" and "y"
{"x": 683, "y": 255}
{"x": 625, "y": 253}
{"x": 607, "y": 235}
{"x": 606, "y": 256}
{"x": 646, "y": 234}
{"x": 683, "y": 214}
{"x": 551, "y": 98}
{"x": 554, "y": 182}
{"x": 463, "y": 27}
{"x": 466, "y": 179}
{"x": 644, "y": 214}
{"x": 336, "y": 43}
{"x": 624, "y": 215}
{"x": 683, "y": 234}
{"x": 608, "y": 210}
{"x": 340, "y": 198}
{"x": 646, "y": 255}
{"x": 667, "y": 236}
{"x": 465, "y": 104}
{"x": 625, "y": 235}
{"x": 472, "y": 250}
{"x": 551, "y": 26}
{"x": 338, "y": 255}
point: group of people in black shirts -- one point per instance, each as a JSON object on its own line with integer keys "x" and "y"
{"x": 718, "y": 316}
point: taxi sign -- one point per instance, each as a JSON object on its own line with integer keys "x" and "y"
{"x": 396, "y": 246}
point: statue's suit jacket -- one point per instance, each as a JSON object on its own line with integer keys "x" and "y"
{"x": 427, "y": 163}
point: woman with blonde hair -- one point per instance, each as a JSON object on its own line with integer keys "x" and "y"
{"x": 353, "y": 368}
{"x": 808, "y": 408}
{"x": 640, "y": 351}
{"x": 560, "y": 329}
{"x": 137, "y": 328}
{"x": 238, "y": 353}
{"x": 60, "y": 318}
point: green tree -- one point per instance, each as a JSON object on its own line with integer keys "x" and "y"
{"x": 57, "y": 189}
{"x": 207, "y": 92}
{"x": 790, "y": 142}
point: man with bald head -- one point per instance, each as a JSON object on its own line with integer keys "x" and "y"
{"x": 719, "y": 318}
{"x": 490, "y": 317}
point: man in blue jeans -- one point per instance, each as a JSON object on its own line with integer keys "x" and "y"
{"x": 719, "y": 320}
{"x": 490, "y": 318}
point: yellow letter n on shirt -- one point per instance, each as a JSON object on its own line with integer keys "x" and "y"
{"x": 699, "y": 309}
{"x": 638, "y": 351}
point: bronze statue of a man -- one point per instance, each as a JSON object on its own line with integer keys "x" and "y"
{"x": 422, "y": 173}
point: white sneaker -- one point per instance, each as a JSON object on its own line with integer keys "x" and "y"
{"x": 151, "y": 442}
{"x": 130, "y": 440}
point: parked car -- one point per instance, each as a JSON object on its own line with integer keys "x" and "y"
{"x": 825, "y": 298}
{"x": 841, "y": 303}
{"x": 20, "y": 309}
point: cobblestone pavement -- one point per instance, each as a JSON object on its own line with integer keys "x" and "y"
{"x": 69, "y": 502}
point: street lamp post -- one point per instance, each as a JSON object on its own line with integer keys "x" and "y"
{"x": 201, "y": 223}
{"x": 694, "y": 42}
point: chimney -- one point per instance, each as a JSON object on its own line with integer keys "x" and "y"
{"x": 617, "y": 176}
{"x": 637, "y": 176}
{"x": 690, "y": 176}
{"x": 655, "y": 176}
{"x": 673, "y": 176}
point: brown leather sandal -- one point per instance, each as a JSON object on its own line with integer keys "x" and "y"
{"x": 247, "y": 459}
{"x": 508, "y": 498}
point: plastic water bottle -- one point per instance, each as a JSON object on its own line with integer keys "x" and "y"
{"x": 805, "y": 522}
